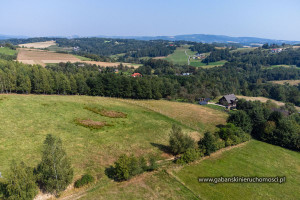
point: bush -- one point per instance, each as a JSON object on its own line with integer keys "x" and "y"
{"x": 189, "y": 156}
{"x": 127, "y": 167}
{"x": 208, "y": 143}
{"x": 179, "y": 142}
{"x": 84, "y": 180}
{"x": 153, "y": 165}
{"x": 233, "y": 135}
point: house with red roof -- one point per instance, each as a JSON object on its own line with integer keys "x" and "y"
{"x": 136, "y": 75}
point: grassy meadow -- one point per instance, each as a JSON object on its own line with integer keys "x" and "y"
{"x": 7, "y": 51}
{"x": 144, "y": 130}
{"x": 254, "y": 158}
{"x": 29, "y": 118}
{"x": 290, "y": 82}
{"x": 179, "y": 57}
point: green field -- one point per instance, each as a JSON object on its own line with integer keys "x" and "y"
{"x": 253, "y": 159}
{"x": 7, "y": 51}
{"x": 285, "y": 66}
{"x": 83, "y": 58}
{"x": 29, "y": 118}
{"x": 179, "y": 57}
{"x": 197, "y": 63}
{"x": 56, "y": 48}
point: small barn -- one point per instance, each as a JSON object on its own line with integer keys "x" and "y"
{"x": 204, "y": 101}
{"x": 228, "y": 100}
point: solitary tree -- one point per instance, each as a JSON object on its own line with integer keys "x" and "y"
{"x": 54, "y": 172}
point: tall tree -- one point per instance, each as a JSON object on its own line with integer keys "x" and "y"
{"x": 21, "y": 182}
{"x": 54, "y": 172}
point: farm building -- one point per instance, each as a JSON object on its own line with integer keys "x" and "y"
{"x": 276, "y": 50}
{"x": 136, "y": 75}
{"x": 228, "y": 100}
{"x": 204, "y": 101}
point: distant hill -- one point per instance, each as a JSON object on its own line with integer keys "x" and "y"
{"x": 5, "y": 37}
{"x": 204, "y": 38}
{"x": 209, "y": 39}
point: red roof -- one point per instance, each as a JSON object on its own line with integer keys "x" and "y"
{"x": 136, "y": 75}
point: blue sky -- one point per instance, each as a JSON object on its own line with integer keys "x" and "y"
{"x": 275, "y": 19}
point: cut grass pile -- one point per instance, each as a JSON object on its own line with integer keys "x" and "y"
{"x": 253, "y": 159}
{"x": 107, "y": 113}
{"x": 90, "y": 123}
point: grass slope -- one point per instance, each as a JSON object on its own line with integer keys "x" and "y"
{"x": 179, "y": 57}
{"x": 254, "y": 159}
{"x": 27, "y": 119}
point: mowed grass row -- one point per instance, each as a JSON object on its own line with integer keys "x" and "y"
{"x": 253, "y": 159}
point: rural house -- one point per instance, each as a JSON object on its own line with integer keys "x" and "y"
{"x": 228, "y": 100}
{"x": 204, "y": 101}
{"x": 136, "y": 75}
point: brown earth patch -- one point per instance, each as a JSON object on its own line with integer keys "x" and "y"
{"x": 107, "y": 113}
{"x": 90, "y": 123}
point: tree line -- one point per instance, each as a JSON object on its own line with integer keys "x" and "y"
{"x": 164, "y": 81}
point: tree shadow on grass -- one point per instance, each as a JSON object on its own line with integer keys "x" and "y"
{"x": 110, "y": 172}
{"x": 162, "y": 147}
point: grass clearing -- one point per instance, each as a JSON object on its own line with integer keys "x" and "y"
{"x": 7, "y": 51}
{"x": 290, "y": 82}
{"x": 83, "y": 58}
{"x": 253, "y": 159}
{"x": 179, "y": 56}
{"x": 198, "y": 63}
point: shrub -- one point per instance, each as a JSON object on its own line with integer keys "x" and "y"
{"x": 127, "y": 167}
{"x": 152, "y": 164}
{"x": 208, "y": 143}
{"x": 122, "y": 168}
{"x": 179, "y": 142}
{"x": 84, "y": 180}
{"x": 189, "y": 156}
